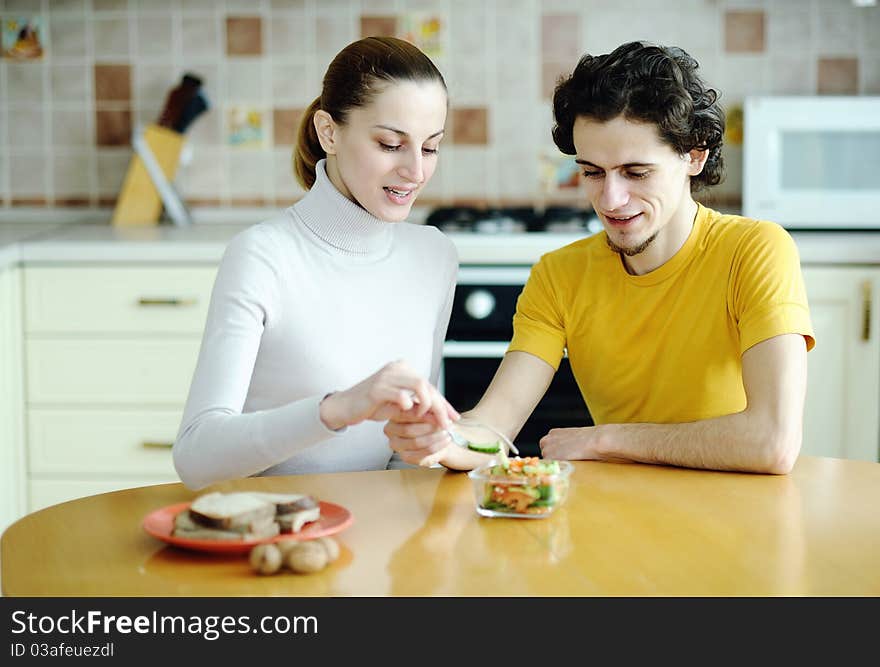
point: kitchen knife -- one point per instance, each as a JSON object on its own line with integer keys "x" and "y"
{"x": 178, "y": 99}
{"x": 196, "y": 106}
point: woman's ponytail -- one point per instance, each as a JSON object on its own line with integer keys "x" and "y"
{"x": 308, "y": 149}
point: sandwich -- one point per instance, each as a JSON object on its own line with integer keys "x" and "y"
{"x": 245, "y": 515}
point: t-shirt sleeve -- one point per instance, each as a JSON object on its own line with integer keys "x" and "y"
{"x": 539, "y": 322}
{"x": 767, "y": 293}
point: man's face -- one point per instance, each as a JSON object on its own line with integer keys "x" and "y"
{"x": 637, "y": 184}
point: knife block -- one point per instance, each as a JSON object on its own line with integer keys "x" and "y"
{"x": 139, "y": 202}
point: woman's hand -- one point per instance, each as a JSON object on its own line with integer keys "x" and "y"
{"x": 421, "y": 443}
{"x": 393, "y": 389}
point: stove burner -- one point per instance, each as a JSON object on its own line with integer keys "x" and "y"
{"x": 560, "y": 219}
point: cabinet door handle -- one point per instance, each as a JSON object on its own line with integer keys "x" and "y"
{"x": 152, "y": 444}
{"x": 866, "y": 310}
{"x": 144, "y": 301}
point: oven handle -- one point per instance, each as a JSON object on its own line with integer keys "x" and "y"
{"x": 474, "y": 349}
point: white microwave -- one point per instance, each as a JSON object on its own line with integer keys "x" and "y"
{"x": 812, "y": 162}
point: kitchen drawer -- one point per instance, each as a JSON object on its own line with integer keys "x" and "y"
{"x": 46, "y": 492}
{"x": 100, "y": 299}
{"x": 130, "y": 372}
{"x": 93, "y": 441}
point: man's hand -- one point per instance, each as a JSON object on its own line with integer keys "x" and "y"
{"x": 572, "y": 444}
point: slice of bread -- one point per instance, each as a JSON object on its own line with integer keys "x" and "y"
{"x": 294, "y": 521}
{"x": 285, "y": 503}
{"x": 201, "y": 533}
{"x": 230, "y": 511}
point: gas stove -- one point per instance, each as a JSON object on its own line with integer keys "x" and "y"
{"x": 515, "y": 220}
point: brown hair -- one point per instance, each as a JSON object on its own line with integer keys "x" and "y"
{"x": 352, "y": 80}
{"x": 647, "y": 83}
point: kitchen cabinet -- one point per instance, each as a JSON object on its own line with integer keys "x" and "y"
{"x": 12, "y": 447}
{"x": 842, "y": 413}
{"x": 109, "y": 353}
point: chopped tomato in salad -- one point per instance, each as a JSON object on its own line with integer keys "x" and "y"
{"x": 524, "y": 485}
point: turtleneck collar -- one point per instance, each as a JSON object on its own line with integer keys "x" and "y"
{"x": 339, "y": 222}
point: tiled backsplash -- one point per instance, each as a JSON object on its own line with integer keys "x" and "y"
{"x": 102, "y": 67}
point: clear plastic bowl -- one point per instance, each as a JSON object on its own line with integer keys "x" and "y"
{"x": 526, "y": 490}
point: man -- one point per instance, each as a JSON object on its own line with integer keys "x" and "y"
{"x": 687, "y": 330}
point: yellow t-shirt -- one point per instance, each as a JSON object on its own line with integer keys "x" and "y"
{"x": 665, "y": 347}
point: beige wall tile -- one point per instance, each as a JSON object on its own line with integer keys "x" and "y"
{"x": 285, "y": 123}
{"x": 113, "y": 127}
{"x": 788, "y": 27}
{"x": 112, "y": 38}
{"x": 744, "y": 31}
{"x": 244, "y": 81}
{"x": 67, "y": 36}
{"x": 201, "y": 6}
{"x": 26, "y": 128}
{"x": 790, "y": 75}
{"x": 468, "y": 168}
{"x": 72, "y": 176}
{"x": 24, "y": 82}
{"x": 70, "y": 83}
{"x": 286, "y": 187}
{"x": 550, "y": 74}
{"x": 468, "y": 85}
{"x": 295, "y": 84}
{"x": 28, "y": 175}
{"x": 207, "y": 130}
{"x": 66, "y": 6}
{"x": 200, "y": 38}
{"x": 840, "y": 29}
{"x": 112, "y": 165}
{"x": 244, "y": 35}
{"x": 869, "y": 30}
{"x": 109, "y": 5}
{"x": 155, "y": 36}
{"x": 870, "y": 71}
{"x": 205, "y": 176}
{"x": 560, "y": 37}
{"x": 246, "y": 175}
{"x": 838, "y": 76}
{"x": 378, "y": 26}
{"x": 287, "y": 4}
{"x": 155, "y": 6}
{"x": 333, "y": 32}
{"x": 290, "y": 36}
{"x": 470, "y": 125}
{"x": 112, "y": 83}
{"x": 153, "y": 82}
{"x": 71, "y": 128}
{"x": 468, "y": 25}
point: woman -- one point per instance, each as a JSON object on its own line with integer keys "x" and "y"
{"x": 325, "y": 320}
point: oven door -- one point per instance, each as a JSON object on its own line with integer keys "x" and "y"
{"x": 468, "y": 367}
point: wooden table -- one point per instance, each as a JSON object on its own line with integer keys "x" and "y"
{"x": 626, "y": 529}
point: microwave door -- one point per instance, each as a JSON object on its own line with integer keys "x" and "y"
{"x": 813, "y": 163}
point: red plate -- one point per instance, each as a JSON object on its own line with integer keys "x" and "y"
{"x": 160, "y": 523}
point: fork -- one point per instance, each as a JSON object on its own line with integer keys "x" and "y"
{"x": 460, "y": 440}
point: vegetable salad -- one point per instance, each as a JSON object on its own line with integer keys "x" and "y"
{"x": 524, "y": 486}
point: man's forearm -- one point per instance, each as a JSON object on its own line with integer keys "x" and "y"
{"x": 741, "y": 441}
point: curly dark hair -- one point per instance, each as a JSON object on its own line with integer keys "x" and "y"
{"x": 646, "y": 83}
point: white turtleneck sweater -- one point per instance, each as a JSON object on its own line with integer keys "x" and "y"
{"x": 309, "y": 302}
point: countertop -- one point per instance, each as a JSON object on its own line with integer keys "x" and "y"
{"x": 57, "y": 242}
{"x": 625, "y": 529}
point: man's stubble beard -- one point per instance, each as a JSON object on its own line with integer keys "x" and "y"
{"x": 629, "y": 252}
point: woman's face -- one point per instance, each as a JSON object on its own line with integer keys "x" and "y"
{"x": 387, "y": 150}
